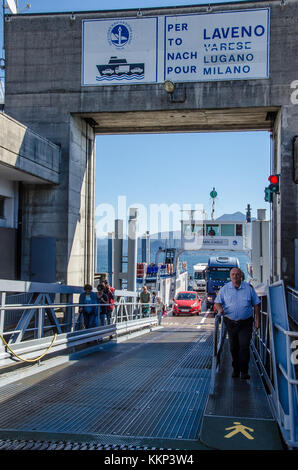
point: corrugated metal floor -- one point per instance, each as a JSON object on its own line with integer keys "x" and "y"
{"x": 154, "y": 387}
{"x": 239, "y": 406}
{"x": 235, "y": 397}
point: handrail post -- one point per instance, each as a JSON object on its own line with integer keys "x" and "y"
{"x": 214, "y": 355}
{"x": 2, "y": 312}
{"x": 40, "y": 322}
{"x": 2, "y": 316}
{"x": 73, "y": 319}
{"x": 290, "y": 396}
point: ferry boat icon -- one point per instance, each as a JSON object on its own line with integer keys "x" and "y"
{"x": 119, "y": 67}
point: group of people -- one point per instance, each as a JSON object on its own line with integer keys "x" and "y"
{"x": 151, "y": 303}
{"x": 236, "y": 300}
{"x": 97, "y": 307}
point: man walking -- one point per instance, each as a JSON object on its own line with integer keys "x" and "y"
{"x": 237, "y": 300}
{"x": 145, "y": 298}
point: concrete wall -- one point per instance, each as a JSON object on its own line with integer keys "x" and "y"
{"x": 8, "y": 239}
{"x": 25, "y": 158}
{"x": 43, "y": 90}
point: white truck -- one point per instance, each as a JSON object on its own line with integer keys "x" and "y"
{"x": 199, "y": 281}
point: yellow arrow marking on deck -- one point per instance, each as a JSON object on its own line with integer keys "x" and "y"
{"x": 239, "y": 428}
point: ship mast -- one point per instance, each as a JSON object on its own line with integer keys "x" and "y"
{"x": 213, "y": 194}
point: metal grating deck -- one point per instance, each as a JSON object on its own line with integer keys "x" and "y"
{"x": 152, "y": 387}
{"x": 238, "y": 415}
{"x": 235, "y": 397}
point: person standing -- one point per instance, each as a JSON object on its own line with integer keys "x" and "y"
{"x": 88, "y": 309}
{"x": 145, "y": 299}
{"x": 103, "y": 301}
{"x": 160, "y": 307}
{"x": 153, "y": 302}
{"x": 109, "y": 291}
{"x": 237, "y": 301}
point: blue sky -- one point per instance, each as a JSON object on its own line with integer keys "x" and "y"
{"x": 38, "y": 6}
{"x": 175, "y": 168}
{"x": 183, "y": 169}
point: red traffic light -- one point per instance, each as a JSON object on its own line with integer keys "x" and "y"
{"x": 273, "y": 179}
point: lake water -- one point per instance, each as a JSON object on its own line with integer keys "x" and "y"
{"x": 191, "y": 257}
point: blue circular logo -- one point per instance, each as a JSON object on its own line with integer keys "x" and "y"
{"x": 119, "y": 34}
{"x": 235, "y": 242}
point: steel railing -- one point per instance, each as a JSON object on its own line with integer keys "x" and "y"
{"x": 34, "y": 332}
{"x": 268, "y": 352}
{"x": 264, "y": 346}
{"x": 219, "y": 336}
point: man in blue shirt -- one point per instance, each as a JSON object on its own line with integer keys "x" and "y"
{"x": 237, "y": 300}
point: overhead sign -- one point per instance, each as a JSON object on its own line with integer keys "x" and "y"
{"x": 196, "y": 47}
{"x": 211, "y": 243}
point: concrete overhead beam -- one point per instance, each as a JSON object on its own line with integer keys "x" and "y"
{"x": 30, "y": 157}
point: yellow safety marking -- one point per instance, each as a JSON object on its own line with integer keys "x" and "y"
{"x": 239, "y": 428}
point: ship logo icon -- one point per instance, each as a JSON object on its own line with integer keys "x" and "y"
{"x": 119, "y": 69}
{"x": 119, "y": 34}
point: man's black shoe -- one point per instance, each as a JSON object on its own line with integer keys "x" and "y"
{"x": 235, "y": 374}
{"x": 244, "y": 376}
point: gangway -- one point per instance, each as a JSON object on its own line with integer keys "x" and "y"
{"x": 161, "y": 389}
{"x": 146, "y": 392}
{"x": 236, "y": 402}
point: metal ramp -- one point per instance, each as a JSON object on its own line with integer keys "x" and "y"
{"x": 238, "y": 414}
{"x": 150, "y": 392}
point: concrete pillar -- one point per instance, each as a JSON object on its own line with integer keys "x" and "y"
{"x": 118, "y": 253}
{"x": 132, "y": 250}
{"x": 146, "y": 248}
{"x": 261, "y": 248}
{"x": 111, "y": 250}
{"x": 66, "y": 211}
{"x": 81, "y": 192}
{"x": 288, "y": 205}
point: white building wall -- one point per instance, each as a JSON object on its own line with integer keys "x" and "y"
{"x": 260, "y": 251}
{"x": 9, "y": 190}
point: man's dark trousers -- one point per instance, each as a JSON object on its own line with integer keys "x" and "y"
{"x": 239, "y": 333}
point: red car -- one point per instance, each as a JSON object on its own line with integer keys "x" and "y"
{"x": 186, "y": 302}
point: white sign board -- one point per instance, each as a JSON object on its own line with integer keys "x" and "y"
{"x": 230, "y": 45}
{"x": 120, "y": 51}
{"x": 212, "y": 243}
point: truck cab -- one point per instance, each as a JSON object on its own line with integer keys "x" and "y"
{"x": 217, "y": 275}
